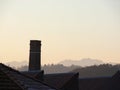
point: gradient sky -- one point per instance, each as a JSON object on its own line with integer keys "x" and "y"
{"x": 69, "y": 29}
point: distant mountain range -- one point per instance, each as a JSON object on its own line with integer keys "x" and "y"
{"x": 17, "y": 64}
{"x": 82, "y": 62}
{"x": 73, "y": 66}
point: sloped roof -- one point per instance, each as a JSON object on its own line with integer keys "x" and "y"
{"x": 93, "y": 83}
{"x": 101, "y": 83}
{"x": 114, "y": 83}
{"x": 116, "y": 75}
{"x": 20, "y": 81}
{"x": 58, "y": 80}
{"x": 6, "y": 83}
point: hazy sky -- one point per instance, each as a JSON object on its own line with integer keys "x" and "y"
{"x": 69, "y": 29}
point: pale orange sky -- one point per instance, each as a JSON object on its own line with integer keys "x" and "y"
{"x": 68, "y": 29}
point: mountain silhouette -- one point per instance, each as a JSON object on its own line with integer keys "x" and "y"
{"x": 82, "y": 62}
{"x": 17, "y": 64}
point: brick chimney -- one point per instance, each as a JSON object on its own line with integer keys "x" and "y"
{"x": 35, "y": 55}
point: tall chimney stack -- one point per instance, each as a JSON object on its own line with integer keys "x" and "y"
{"x": 35, "y": 55}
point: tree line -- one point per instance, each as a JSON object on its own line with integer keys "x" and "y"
{"x": 89, "y": 71}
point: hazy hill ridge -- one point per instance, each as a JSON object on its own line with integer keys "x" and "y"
{"x": 102, "y": 70}
{"x": 90, "y": 67}
{"x": 51, "y": 68}
{"x": 17, "y": 64}
{"x": 82, "y": 62}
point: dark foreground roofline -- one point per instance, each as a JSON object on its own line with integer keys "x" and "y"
{"x": 17, "y": 77}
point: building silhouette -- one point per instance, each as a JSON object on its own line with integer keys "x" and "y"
{"x": 35, "y": 79}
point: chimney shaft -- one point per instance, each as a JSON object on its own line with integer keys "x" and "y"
{"x": 35, "y": 55}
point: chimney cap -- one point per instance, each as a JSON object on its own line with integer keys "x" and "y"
{"x": 35, "y": 40}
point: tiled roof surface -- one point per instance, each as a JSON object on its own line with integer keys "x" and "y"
{"x": 58, "y": 80}
{"x": 35, "y": 74}
{"x": 20, "y": 81}
{"x": 7, "y": 83}
{"x": 31, "y": 73}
